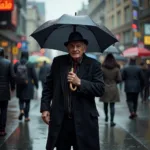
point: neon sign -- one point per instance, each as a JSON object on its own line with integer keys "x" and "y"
{"x": 6, "y": 5}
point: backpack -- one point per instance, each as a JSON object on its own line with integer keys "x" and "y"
{"x": 22, "y": 74}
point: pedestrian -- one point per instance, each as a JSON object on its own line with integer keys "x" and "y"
{"x": 112, "y": 76}
{"x": 7, "y": 84}
{"x": 133, "y": 78}
{"x": 72, "y": 116}
{"x": 43, "y": 72}
{"x": 26, "y": 79}
{"x": 145, "y": 87}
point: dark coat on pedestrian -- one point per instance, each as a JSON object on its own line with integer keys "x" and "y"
{"x": 133, "y": 78}
{"x": 26, "y": 92}
{"x": 6, "y": 79}
{"x": 43, "y": 72}
{"x": 84, "y": 107}
{"x": 112, "y": 76}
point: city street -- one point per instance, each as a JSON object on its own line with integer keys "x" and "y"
{"x": 126, "y": 135}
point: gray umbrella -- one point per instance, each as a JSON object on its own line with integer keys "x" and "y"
{"x": 54, "y": 33}
{"x": 120, "y": 57}
{"x": 113, "y": 50}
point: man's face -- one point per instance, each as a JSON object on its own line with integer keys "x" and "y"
{"x": 76, "y": 49}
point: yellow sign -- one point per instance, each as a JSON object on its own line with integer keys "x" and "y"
{"x": 15, "y": 50}
{"x": 137, "y": 34}
{"x": 147, "y": 40}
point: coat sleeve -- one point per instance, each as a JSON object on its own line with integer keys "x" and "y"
{"x": 34, "y": 77}
{"x": 118, "y": 77}
{"x": 47, "y": 92}
{"x": 96, "y": 86}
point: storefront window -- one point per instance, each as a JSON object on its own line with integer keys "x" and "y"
{"x": 127, "y": 37}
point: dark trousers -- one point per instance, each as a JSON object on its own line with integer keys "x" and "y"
{"x": 3, "y": 114}
{"x": 112, "y": 110}
{"x": 145, "y": 93}
{"x": 25, "y": 105}
{"x": 132, "y": 101}
{"x": 67, "y": 136}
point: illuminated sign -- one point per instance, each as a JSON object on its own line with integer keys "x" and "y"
{"x": 147, "y": 40}
{"x": 6, "y": 5}
{"x": 4, "y": 43}
{"x": 135, "y": 14}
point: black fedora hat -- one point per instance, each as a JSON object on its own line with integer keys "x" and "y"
{"x": 75, "y": 36}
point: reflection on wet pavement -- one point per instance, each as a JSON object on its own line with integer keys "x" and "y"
{"x": 127, "y": 135}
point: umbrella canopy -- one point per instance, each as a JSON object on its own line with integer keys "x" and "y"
{"x": 43, "y": 58}
{"x": 136, "y": 51}
{"x": 113, "y": 50}
{"x": 54, "y": 33}
{"x": 33, "y": 59}
{"x": 120, "y": 57}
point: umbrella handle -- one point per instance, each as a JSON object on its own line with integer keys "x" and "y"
{"x": 71, "y": 85}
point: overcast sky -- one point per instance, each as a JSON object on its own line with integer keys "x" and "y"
{"x": 55, "y": 8}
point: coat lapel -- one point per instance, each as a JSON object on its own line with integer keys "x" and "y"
{"x": 64, "y": 69}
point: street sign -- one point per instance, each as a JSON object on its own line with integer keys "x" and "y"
{"x": 147, "y": 29}
{"x": 6, "y": 5}
{"x": 15, "y": 50}
{"x": 147, "y": 40}
{"x": 137, "y": 34}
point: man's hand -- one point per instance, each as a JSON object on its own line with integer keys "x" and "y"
{"x": 46, "y": 116}
{"x": 73, "y": 78}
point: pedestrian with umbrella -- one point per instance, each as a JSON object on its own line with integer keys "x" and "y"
{"x": 73, "y": 82}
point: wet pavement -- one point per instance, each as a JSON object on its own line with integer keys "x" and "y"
{"x": 126, "y": 135}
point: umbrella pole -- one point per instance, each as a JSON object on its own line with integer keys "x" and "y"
{"x": 74, "y": 26}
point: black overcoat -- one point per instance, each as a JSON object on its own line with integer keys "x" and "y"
{"x": 26, "y": 92}
{"x": 6, "y": 79}
{"x": 133, "y": 78}
{"x": 84, "y": 107}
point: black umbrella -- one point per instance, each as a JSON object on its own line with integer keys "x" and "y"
{"x": 54, "y": 33}
{"x": 113, "y": 50}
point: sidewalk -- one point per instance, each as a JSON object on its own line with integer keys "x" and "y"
{"x": 139, "y": 128}
{"x": 12, "y": 117}
{"x": 126, "y": 135}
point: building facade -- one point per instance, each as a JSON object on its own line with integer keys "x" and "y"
{"x": 84, "y": 10}
{"x": 96, "y": 10}
{"x": 119, "y": 20}
{"x": 35, "y": 17}
{"x": 144, "y": 16}
{"x": 13, "y": 28}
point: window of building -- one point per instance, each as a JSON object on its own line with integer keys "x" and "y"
{"x": 111, "y": 4}
{"x": 113, "y": 21}
{"x": 118, "y": 18}
{"x": 118, "y": 2}
{"x": 127, "y": 14}
{"x": 127, "y": 37}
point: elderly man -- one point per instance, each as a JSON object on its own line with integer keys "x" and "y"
{"x": 70, "y": 110}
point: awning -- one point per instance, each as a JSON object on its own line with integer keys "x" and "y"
{"x": 136, "y": 51}
{"x": 12, "y": 36}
